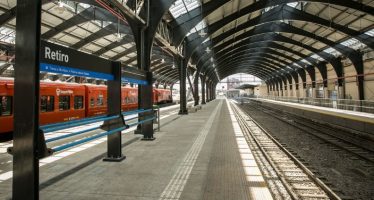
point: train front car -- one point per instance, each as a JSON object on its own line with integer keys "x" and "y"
{"x": 61, "y": 102}
{"x": 96, "y": 100}
{"x": 129, "y": 98}
{"x": 162, "y": 96}
{"x": 6, "y": 106}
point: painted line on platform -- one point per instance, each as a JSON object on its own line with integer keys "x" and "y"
{"x": 9, "y": 174}
{"x": 176, "y": 185}
{"x": 257, "y": 185}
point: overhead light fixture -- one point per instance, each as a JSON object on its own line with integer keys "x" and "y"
{"x": 60, "y": 4}
{"x": 211, "y": 59}
{"x": 119, "y": 36}
{"x": 173, "y": 66}
{"x": 60, "y": 7}
{"x": 202, "y": 33}
{"x": 207, "y": 50}
{"x": 163, "y": 60}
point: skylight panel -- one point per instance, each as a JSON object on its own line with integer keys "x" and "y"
{"x": 181, "y": 7}
{"x": 370, "y": 33}
{"x": 197, "y": 28}
{"x": 7, "y": 35}
{"x": 293, "y": 5}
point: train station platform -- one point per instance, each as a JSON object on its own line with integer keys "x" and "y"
{"x": 202, "y": 155}
{"x": 360, "y": 121}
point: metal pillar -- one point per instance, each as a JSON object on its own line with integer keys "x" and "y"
{"x": 196, "y": 88}
{"x": 203, "y": 89}
{"x": 360, "y": 77}
{"x": 206, "y": 91}
{"x": 214, "y": 90}
{"x": 26, "y": 101}
{"x": 182, "y": 84}
{"x": 114, "y": 144}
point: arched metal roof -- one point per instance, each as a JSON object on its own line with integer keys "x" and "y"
{"x": 266, "y": 38}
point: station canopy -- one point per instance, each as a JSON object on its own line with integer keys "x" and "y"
{"x": 266, "y": 38}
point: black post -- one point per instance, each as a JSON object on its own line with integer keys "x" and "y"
{"x": 114, "y": 153}
{"x": 26, "y": 101}
{"x": 214, "y": 91}
{"x": 203, "y": 89}
{"x": 196, "y": 88}
{"x": 182, "y": 86}
{"x": 145, "y": 103}
{"x": 207, "y": 91}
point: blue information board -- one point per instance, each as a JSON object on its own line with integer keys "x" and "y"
{"x": 46, "y": 67}
{"x": 134, "y": 81}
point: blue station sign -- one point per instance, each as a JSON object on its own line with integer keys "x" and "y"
{"x": 62, "y": 60}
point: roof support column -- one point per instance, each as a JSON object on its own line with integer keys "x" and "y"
{"x": 26, "y": 102}
{"x": 182, "y": 84}
{"x": 214, "y": 91}
{"x": 144, "y": 36}
{"x": 312, "y": 73}
{"x": 207, "y": 90}
{"x": 143, "y": 45}
{"x": 203, "y": 89}
{"x": 196, "y": 88}
{"x": 360, "y": 76}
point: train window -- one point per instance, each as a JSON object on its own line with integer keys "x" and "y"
{"x": 6, "y": 105}
{"x": 78, "y": 102}
{"x": 47, "y": 103}
{"x": 92, "y": 102}
{"x": 100, "y": 101}
{"x": 64, "y": 103}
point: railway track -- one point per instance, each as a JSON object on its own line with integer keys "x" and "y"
{"x": 324, "y": 133}
{"x": 297, "y": 180}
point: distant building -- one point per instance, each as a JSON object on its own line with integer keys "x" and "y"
{"x": 232, "y": 83}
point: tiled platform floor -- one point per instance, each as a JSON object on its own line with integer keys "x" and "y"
{"x": 194, "y": 157}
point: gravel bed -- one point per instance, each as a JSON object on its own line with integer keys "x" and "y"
{"x": 343, "y": 172}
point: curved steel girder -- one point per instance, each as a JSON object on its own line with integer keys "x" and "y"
{"x": 163, "y": 67}
{"x": 170, "y": 77}
{"x": 285, "y": 13}
{"x": 259, "y": 61}
{"x": 253, "y": 61}
{"x": 277, "y": 37}
{"x": 268, "y": 63}
{"x": 266, "y": 33}
{"x": 270, "y": 44}
{"x": 157, "y": 9}
{"x": 156, "y": 68}
{"x": 251, "y": 69}
{"x": 240, "y": 53}
{"x": 229, "y": 66}
{"x": 321, "y": 66}
{"x": 286, "y": 28}
{"x": 252, "y": 51}
{"x": 184, "y": 23}
{"x": 260, "y": 55}
{"x": 189, "y": 20}
{"x": 277, "y": 14}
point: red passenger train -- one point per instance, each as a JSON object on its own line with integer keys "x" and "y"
{"x": 69, "y": 101}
